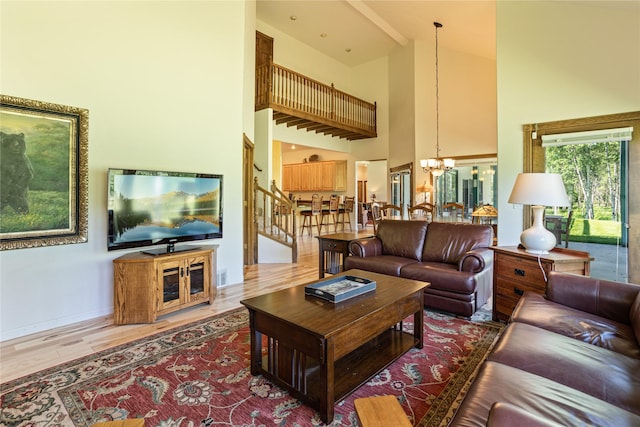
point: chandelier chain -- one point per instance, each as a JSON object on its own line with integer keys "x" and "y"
{"x": 437, "y": 97}
{"x": 437, "y": 166}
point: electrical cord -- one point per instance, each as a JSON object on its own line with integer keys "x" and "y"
{"x": 542, "y": 269}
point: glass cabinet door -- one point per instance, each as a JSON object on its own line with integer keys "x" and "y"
{"x": 171, "y": 281}
{"x": 196, "y": 278}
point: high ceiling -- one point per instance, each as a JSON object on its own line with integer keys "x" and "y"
{"x": 358, "y": 31}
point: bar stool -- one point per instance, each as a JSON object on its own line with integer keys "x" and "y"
{"x": 345, "y": 212}
{"x": 314, "y": 212}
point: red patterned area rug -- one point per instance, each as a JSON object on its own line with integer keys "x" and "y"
{"x": 198, "y": 375}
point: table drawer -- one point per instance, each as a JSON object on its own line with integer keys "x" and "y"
{"x": 335, "y": 246}
{"x": 515, "y": 289}
{"x": 508, "y": 293}
{"x": 504, "y": 306}
{"x": 521, "y": 270}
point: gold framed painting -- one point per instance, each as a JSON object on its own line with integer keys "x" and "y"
{"x": 43, "y": 173}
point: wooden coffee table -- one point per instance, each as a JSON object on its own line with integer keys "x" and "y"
{"x": 322, "y": 351}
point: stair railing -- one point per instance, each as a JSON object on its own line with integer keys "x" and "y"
{"x": 274, "y": 216}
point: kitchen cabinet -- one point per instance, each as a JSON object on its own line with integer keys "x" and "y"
{"x": 315, "y": 176}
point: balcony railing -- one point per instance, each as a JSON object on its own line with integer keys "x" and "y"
{"x": 308, "y": 104}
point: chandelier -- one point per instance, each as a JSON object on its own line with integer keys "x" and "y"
{"x": 437, "y": 166}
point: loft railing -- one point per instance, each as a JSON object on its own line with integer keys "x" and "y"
{"x": 306, "y": 103}
{"x": 274, "y": 217}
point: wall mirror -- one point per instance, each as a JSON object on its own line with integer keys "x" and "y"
{"x": 473, "y": 182}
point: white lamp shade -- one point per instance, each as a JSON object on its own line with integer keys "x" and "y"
{"x": 449, "y": 163}
{"x": 542, "y": 189}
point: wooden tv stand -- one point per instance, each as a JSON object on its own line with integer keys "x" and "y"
{"x": 147, "y": 286}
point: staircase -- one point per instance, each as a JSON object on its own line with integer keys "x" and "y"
{"x": 274, "y": 217}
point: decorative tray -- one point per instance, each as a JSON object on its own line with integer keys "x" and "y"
{"x": 337, "y": 289}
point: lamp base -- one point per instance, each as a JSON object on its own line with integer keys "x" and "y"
{"x": 537, "y": 239}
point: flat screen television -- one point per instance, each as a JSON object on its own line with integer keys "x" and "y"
{"x": 148, "y": 208}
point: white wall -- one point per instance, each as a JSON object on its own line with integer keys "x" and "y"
{"x": 163, "y": 83}
{"x": 467, "y": 104}
{"x": 373, "y": 78}
{"x": 558, "y": 61}
{"x": 378, "y": 180}
{"x": 402, "y": 98}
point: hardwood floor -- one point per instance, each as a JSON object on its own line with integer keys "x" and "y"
{"x": 32, "y": 353}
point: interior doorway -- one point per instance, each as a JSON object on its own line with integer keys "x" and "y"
{"x": 250, "y": 253}
{"x": 401, "y": 178}
{"x": 371, "y": 185}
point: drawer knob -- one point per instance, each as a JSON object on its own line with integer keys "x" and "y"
{"x": 518, "y": 291}
{"x": 518, "y": 272}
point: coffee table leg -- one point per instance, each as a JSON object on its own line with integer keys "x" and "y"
{"x": 256, "y": 345}
{"x": 321, "y": 259}
{"x": 418, "y": 327}
{"x": 327, "y": 395}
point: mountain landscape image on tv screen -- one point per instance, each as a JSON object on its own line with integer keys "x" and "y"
{"x": 155, "y": 209}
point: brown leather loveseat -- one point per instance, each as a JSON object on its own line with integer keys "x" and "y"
{"x": 571, "y": 358}
{"x": 454, "y": 257}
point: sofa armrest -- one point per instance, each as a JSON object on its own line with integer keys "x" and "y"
{"x": 476, "y": 260}
{"x": 366, "y": 247}
{"x": 612, "y": 300}
{"x": 503, "y": 414}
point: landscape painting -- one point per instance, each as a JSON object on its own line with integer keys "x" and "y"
{"x": 43, "y": 167}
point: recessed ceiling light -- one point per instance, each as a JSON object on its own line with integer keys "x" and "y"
{"x": 293, "y": 17}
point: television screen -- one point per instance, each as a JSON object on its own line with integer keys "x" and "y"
{"x": 153, "y": 207}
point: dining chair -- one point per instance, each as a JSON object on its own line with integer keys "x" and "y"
{"x": 422, "y": 211}
{"x": 346, "y": 210}
{"x": 332, "y": 213}
{"x": 391, "y": 211}
{"x": 453, "y": 210}
{"x": 560, "y": 227}
{"x": 309, "y": 214}
{"x": 376, "y": 216}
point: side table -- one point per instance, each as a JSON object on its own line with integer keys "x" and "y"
{"x": 334, "y": 248}
{"x": 515, "y": 271}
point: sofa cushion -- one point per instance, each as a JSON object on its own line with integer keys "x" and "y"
{"x": 507, "y": 415}
{"x": 441, "y": 276}
{"x": 634, "y": 317}
{"x": 604, "y": 298}
{"x": 402, "y": 238}
{"x": 534, "y": 309}
{"x": 538, "y": 396}
{"x": 448, "y": 241}
{"x": 594, "y": 370}
{"x": 383, "y": 264}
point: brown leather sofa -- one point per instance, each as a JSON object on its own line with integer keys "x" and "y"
{"x": 454, "y": 257}
{"x": 571, "y": 358}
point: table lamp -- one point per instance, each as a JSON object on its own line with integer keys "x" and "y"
{"x": 424, "y": 188}
{"x": 538, "y": 190}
